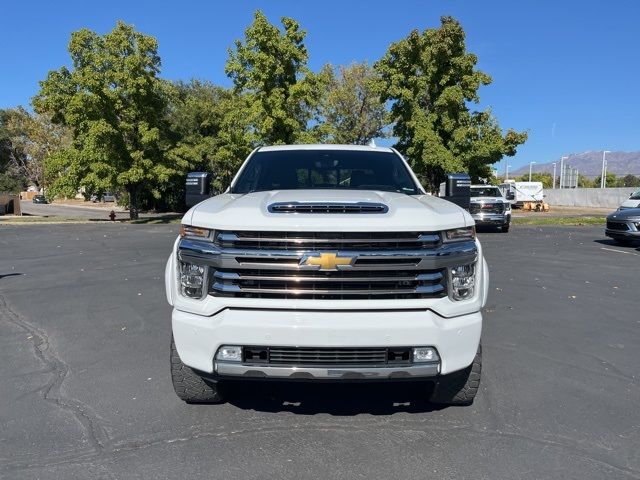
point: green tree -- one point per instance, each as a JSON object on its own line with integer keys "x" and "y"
{"x": 270, "y": 70}
{"x": 584, "y": 182}
{"x": 611, "y": 180}
{"x": 630, "y": 181}
{"x": 114, "y": 104}
{"x": 352, "y": 109}
{"x": 36, "y": 138}
{"x": 10, "y": 180}
{"x": 211, "y": 130}
{"x": 431, "y": 80}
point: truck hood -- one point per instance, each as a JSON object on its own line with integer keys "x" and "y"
{"x": 250, "y": 212}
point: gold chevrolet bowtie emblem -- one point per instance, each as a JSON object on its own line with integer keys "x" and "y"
{"x": 326, "y": 261}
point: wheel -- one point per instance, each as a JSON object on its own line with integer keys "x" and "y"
{"x": 459, "y": 388}
{"x": 188, "y": 385}
{"x": 505, "y": 228}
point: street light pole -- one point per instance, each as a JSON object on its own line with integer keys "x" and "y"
{"x": 530, "y": 165}
{"x": 554, "y": 175}
{"x": 506, "y": 172}
{"x": 603, "y": 176}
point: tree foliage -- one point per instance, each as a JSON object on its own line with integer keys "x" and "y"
{"x": 133, "y": 132}
{"x": 431, "y": 79}
{"x": 352, "y": 110}
{"x": 210, "y": 130}
{"x": 10, "y": 180}
{"x": 629, "y": 181}
{"x": 34, "y": 138}
{"x": 270, "y": 70}
{"x": 114, "y": 104}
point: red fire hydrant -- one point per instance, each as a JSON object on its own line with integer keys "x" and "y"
{"x": 112, "y": 216}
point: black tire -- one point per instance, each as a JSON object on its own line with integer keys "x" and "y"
{"x": 505, "y": 228}
{"x": 459, "y": 388}
{"x": 189, "y": 386}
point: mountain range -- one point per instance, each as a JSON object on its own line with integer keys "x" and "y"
{"x": 590, "y": 164}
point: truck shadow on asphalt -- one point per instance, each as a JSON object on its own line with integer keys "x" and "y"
{"x": 488, "y": 229}
{"x": 332, "y": 398}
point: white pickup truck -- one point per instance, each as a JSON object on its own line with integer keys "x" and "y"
{"x": 326, "y": 262}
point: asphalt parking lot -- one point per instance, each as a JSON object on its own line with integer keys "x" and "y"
{"x": 86, "y": 393}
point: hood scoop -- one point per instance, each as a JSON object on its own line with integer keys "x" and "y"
{"x": 327, "y": 207}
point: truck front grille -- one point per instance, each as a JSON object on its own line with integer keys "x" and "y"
{"x": 315, "y": 241}
{"x": 353, "y": 284}
{"x": 327, "y": 265}
{"x": 320, "y": 356}
{"x": 486, "y": 208}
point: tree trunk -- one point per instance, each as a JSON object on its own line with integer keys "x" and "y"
{"x": 133, "y": 202}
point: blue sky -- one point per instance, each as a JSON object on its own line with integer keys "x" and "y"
{"x": 566, "y": 71}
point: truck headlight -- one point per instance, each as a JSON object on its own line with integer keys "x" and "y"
{"x": 463, "y": 281}
{"x": 190, "y": 231}
{"x": 192, "y": 280}
{"x": 459, "y": 234}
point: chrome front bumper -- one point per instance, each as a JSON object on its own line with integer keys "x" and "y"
{"x": 491, "y": 218}
{"x": 231, "y": 369}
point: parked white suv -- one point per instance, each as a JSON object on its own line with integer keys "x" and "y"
{"x": 632, "y": 202}
{"x": 326, "y": 262}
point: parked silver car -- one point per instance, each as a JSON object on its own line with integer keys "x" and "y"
{"x": 624, "y": 225}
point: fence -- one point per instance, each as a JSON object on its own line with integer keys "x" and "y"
{"x": 588, "y": 197}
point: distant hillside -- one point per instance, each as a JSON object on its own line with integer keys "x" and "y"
{"x": 590, "y": 164}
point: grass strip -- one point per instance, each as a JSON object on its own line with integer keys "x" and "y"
{"x": 547, "y": 220}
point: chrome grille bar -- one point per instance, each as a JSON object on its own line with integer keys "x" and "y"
{"x": 325, "y": 240}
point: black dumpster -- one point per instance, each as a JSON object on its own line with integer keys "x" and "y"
{"x": 198, "y": 187}
{"x": 457, "y": 189}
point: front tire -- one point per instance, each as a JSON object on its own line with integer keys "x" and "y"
{"x": 459, "y": 388}
{"x": 188, "y": 385}
{"x": 505, "y": 228}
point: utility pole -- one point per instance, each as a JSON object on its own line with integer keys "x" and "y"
{"x": 603, "y": 176}
{"x": 577, "y": 177}
{"x": 506, "y": 172}
{"x": 554, "y": 175}
{"x": 530, "y": 165}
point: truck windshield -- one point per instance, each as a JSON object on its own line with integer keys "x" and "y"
{"x": 485, "y": 192}
{"x": 325, "y": 169}
{"x": 635, "y": 195}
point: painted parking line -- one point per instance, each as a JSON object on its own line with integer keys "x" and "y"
{"x": 619, "y": 251}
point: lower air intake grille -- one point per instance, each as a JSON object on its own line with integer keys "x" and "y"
{"x": 617, "y": 226}
{"x": 312, "y": 356}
